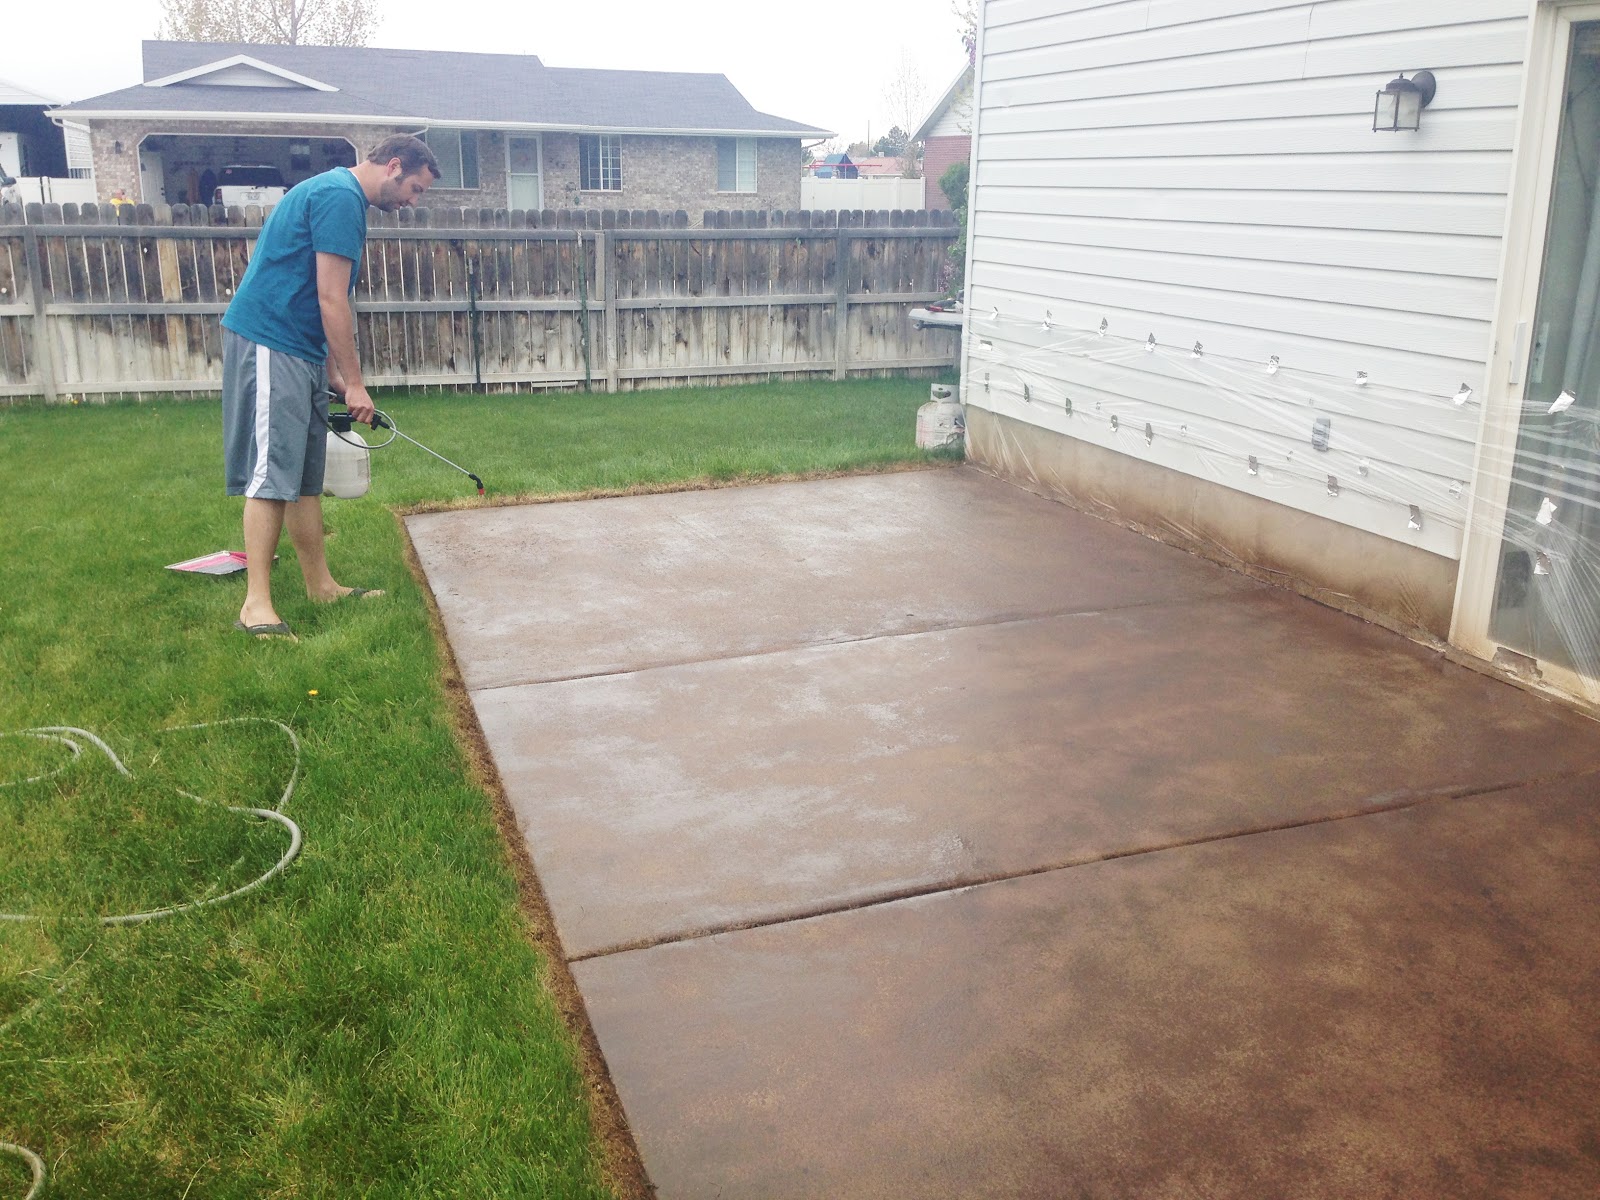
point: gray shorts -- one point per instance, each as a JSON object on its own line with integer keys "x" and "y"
{"x": 274, "y": 447}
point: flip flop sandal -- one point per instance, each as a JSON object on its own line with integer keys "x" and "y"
{"x": 361, "y": 594}
{"x": 275, "y": 629}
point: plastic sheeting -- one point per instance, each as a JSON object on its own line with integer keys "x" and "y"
{"x": 1387, "y": 461}
{"x": 1387, "y": 446}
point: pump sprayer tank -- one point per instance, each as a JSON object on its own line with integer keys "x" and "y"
{"x": 349, "y": 469}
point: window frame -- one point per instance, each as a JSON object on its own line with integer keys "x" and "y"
{"x": 459, "y": 158}
{"x": 512, "y": 176}
{"x": 608, "y": 165}
{"x": 737, "y": 144}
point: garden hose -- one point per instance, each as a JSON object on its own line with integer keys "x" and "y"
{"x": 35, "y": 1164}
{"x": 68, "y": 736}
{"x": 59, "y": 733}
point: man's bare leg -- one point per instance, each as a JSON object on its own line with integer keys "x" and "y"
{"x": 304, "y": 520}
{"x": 263, "y": 523}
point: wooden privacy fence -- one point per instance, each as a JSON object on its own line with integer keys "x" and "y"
{"x": 95, "y": 302}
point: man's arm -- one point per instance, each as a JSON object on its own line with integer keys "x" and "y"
{"x": 339, "y": 327}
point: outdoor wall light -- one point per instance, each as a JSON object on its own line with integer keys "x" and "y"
{"x": 1399, "y": 105}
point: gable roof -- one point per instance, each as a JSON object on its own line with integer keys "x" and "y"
{"x": 428, "y": 88}
{"x": 242, "y": 70}
{"x": 16, "y": 94}
{"x": 957, "y": 85}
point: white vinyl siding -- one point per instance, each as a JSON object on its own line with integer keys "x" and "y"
{"x": 956, "y": 120}
{"x": 1205, "y": 171}
{"x": 244, "y": 75}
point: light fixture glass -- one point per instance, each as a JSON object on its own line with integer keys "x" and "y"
{"x": 1398, "y": 107}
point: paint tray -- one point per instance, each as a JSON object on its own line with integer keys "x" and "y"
{"x": 223, "y": 562}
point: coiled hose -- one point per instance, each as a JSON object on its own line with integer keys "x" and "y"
{"x": 68, "y": 735}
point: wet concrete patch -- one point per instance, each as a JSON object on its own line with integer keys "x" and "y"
{"x": 1403, "y": 1004}
{"x": 553, "y": 591}
{"x": 674, "y": 801}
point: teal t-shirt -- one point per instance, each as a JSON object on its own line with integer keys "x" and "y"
{"x": 276, "y": 305}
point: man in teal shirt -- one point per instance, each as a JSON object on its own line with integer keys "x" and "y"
{"x": 288, "y": 337}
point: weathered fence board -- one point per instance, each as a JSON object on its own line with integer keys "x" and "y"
{"x": 96, "y": 301}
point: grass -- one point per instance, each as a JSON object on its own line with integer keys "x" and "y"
{"x": 377, "y": 1021}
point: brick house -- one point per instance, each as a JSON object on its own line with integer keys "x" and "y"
{"x": 946, "y": 135}
{"x": 509, "y": 131}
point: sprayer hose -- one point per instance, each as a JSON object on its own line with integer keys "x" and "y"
{"x": 67, "y": 736}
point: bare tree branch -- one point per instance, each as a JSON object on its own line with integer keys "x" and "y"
{"x": 284, "y": 22}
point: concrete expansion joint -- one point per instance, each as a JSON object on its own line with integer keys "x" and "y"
{"x": 1000, "y": 621}
{"x": 1375, "y": 806}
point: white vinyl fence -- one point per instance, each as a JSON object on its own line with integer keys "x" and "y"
{"x": 34, "y": 189}
{"x": 870, "y": 193}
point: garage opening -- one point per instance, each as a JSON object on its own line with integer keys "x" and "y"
{"x": 185, "y": 168}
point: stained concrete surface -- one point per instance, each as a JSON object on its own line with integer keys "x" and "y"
{"x": 748, "y": 707}
{"x": 552, "y": 591}
{"x": 1403, "y": 1005}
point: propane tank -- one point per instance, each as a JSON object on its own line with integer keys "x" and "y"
{"x": 349, "y": 468}
{"x": 942, "y": 421}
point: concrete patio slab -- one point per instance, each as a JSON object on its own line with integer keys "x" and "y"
{"x": 553, "y": 591}
{"x": 685, "y": 799}
{"x": 915, "y": 836}
{"x": 1399, "y": 1005}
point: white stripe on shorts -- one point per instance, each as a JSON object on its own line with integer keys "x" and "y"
{"x": 263, "y": 418}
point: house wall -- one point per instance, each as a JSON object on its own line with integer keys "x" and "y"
{"x": 956, "y": 120}
{"x": 669, "y": 173}
{"x": 939, "y": 154}
{"x": 665, "y": 173}
{"x": 1170, "y": 195}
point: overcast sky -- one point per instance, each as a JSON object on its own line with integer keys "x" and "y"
{"x": 824, "y": 62}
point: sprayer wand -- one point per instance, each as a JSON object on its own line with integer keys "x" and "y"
{"x": 339, "y": 425}
{"x": 380, "y": 420}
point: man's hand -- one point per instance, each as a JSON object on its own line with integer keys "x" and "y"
{"x": 360, "y": 404}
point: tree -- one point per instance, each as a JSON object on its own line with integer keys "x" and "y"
{"x": 905, "y": 97}
{"x": 284, "y": 22}
{"x": 891, "y": 144}
{"x": 966, "y": 12}
{"x": 954, "y": 185}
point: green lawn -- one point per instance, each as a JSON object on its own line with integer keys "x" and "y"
{"x": 373, "y": 1022}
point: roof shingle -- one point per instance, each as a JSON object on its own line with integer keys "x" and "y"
{"x": 445, "y": 87}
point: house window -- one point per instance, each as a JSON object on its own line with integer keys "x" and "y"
{"x": 300, "y": 156}
{"x": 736, "y": 164}
{"x": 457, "y": 152}
{"x": 524, "y": 172}
{"x": 599, "y": 163}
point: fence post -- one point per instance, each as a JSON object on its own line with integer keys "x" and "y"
{"x": 603, "y": 241}
{"x": 841, "y": 301}
{"x": 43, "y": 351}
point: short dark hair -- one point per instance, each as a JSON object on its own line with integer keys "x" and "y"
{"x": 412, "y": 152}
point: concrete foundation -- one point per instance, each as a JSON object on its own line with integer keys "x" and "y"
{"x": 1398, "y": 586}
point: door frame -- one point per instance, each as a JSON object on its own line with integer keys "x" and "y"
{"x": 1521, "y": 270}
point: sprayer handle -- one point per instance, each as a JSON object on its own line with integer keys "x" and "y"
{"x": 378, "y": 422}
